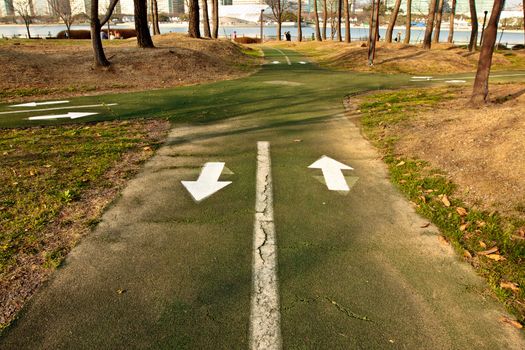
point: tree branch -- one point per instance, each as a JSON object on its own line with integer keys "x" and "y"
{"x": 109, "y": 12}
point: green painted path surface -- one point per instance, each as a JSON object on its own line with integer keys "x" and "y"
{"x": 355, "y": 270}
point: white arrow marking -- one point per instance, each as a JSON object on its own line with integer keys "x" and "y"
{"x": 455, "y": 81}
{"x": 422, "y": 78}
{"x": 332, "y": 172}
{"x": 59, "y": 108}
{"x": 302, "y": 62}
{"x": 34, "y": 104}
{"x": 70, "y": 115}
{"x": 276, "y": 62}
{"x": 208, "y": 182}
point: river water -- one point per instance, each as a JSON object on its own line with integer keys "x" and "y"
{"x": 460, "y": 36}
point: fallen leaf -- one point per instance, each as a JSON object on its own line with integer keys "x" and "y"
{"x": 480, "y": 223}
{"x": 147, "y": 148}
{"x": 482, "y": 244}
{"x": 445, "y": 200}
{"x": 496, "y": 257}
{"x": 121, "y": 291}
{"x": 461, "y": 211}
{"x": 401, "y": 163}
{"x": 464, "y": 226}
{"x": 467, "y": 254}
{"x": 297, "y": 140}
{"x": 509, "y": 285}
{"x": 402, "y": 181}
{"x": 511, "y": 322}
{"x": 425, "y": 225}
{"x": 442, "y": 239}
{"x": 489, "y": 251}
{"x": 423, "y": 199}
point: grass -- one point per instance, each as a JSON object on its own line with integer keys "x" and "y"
{"x": 47, "y": 175}
{"x": 470, "y": 232}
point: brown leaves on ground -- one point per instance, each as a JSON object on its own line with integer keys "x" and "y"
{"x": 513, "y": 323}
{"x": 54, "y": 68}
{"x": 509, "y": 285}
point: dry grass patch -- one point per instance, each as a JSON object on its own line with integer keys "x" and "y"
{"x": 401, "y": 58}
{"x": 65, "y": 67}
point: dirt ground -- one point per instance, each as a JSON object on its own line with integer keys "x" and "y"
{"x": 481, "y": 149}
{"x": 65, "y": 68}
{"x": 401, "y": 58}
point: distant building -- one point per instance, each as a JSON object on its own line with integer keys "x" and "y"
{"x": 6, "y": 8}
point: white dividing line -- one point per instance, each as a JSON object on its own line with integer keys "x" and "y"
{"x": 265, "y": 317}
{"x": 59, "y": 108}
{"x": 282, "y": 53}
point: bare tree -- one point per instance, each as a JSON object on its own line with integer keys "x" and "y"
{"x": 451, "y": 21}
{"x": 278, "y": 7}
{"x": 205, "y": 19}
{"x": 141, "y": 24}
{"x": 299, "y": 19}
{"x": 96, "y": 26}
{"x": 392, "y": 23}
{"x": 474, "y": 26}
{"x": 317, "y": 29}
{"x": 155, "y": 17}
{"x": 215, "y": 18}
{"x": 24, "y": 8}
{"x": 437, "y": 28}
{"x": 481, "y": 83}
{"x": 193, "y": 27}
{"x": 408, "y": 26}
{"x": 427, "y": 40}
{"x": 325, "y": 18}
{"x": 62, "y": 9}
{"x": 339, "y": 17}
{"x": 348, "y": 38}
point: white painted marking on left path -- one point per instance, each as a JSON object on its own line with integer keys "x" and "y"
{"x": 208, "y": 182}
{"x": 332, "y": 172}
{"x": 34, "y": 104}
{"x": 59, "y": 108}
{"x": 282, "y": 53}
{"x": 276, "y": 62}
{"x": 265, "y": 316}
{"x": 302, "y": 62}
{"x": 70, "y": 115}
{"x": 455, "y": 81}
{"x": 422, "y": 77}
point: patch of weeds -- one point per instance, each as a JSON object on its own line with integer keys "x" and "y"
{"x": 493, "y": 244}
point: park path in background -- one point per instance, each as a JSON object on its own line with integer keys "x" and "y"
{"x": 351, "y": 268}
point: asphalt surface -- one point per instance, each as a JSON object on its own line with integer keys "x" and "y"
{"x": 355, "y": 270}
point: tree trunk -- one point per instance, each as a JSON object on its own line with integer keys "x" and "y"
{"x": 481, "y": 83}
{"x": 474, "y": 25}
{"x": 409, "y": 22}
{"x": 392, "y": 23}
{"x": 299, "y": 29}
{"x": 215, "y": 19}
{"x": 451, "y": 20}
{"x": 96, "y": 41}
{"x": 427, "y": 40}
{"x": 348, "y": 37}
{"x": 205, "y": 19}
{"x": 439, "y": 16}
{"x": 141, "y": 24}
{"x": 374, "y": 32}
{"x": 154, "y": 17}
{"x": 339, "y": 17}
{"x": 523, "y": 22}
{"x": 325, "y": 18}
{"x": 317, "y": 29}
{"x": 27, "y": 22}
{"x": 279, "y": 20}
{"x": 370, "y": 26}
{"x": 68, "y": 30}
{"x": 193, "y": 26}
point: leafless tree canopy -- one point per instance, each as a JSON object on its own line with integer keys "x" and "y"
{"x": 24, "y": 8}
